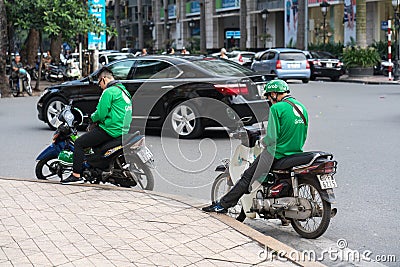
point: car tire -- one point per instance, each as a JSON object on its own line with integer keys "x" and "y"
{"x": 313, "y": 78}
{"x": 53, "y": 108}
{"x": 335, "y": 78}
{"x": 184, "y": 121}
{"x": 305, "y": 80}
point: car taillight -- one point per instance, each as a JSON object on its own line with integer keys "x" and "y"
{"x": 307, "y": 65}
{"x": 240, "y": 58}
{"x": 339, "y": 64}
{"x": 232, "y": 89}
{"x": 278, "y": 64}
{"x": 316, "y": 62}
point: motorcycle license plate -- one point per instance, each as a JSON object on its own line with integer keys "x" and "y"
{"x": 327, "y": 181}
{"x": 144, "y": 154}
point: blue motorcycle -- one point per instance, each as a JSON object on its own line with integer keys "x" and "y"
{"x": 20, "y": 82}
{"x": 123, "y": 162}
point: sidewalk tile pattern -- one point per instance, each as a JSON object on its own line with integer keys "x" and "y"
{"x": 44, "y": 224}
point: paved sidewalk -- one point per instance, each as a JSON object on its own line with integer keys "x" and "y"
{"x": 375, "y": 79}
{"x": 49, "y": 224}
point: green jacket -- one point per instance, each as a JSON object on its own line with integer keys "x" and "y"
{"x": 114, "y": 110}
{"x": 286, "y": 131}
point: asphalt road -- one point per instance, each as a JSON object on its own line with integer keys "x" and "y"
{"x": 359, "y": 123}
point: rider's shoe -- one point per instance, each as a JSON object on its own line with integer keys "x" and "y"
{"x": 73, "y": 180}
{"x": 215, "y": 207}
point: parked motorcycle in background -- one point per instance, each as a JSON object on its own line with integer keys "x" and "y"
{"x": 21, "y": 83}
{"x": 63, "y": 72}
{"x": 298, "y": 188}
{"x": 124, "y": 163}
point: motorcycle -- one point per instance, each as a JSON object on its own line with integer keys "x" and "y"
{"x": 20, "y": 83}
{"x": 298, "y": 188}
{"x": 124, "y": 163}
{"x": 61, "y": 72}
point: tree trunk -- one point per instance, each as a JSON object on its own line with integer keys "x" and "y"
{"x": 32, "y": 46}
{"x": 243, "y": 24}
{"x": 117, "y": 19}
{"x": 40, "y": 62}
{"x": 4, "y": 90}
{"x": 55, "y": 47}
{"x": 300, "y": 25}
{"x": 361, "y": 26}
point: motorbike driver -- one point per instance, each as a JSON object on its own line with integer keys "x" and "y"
{"x": 113, "y": 117}
{"x": 286, "y": 135}
{"x": 16, "y": 66}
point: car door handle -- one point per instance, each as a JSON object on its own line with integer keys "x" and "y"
{"x": 167, "y": 87}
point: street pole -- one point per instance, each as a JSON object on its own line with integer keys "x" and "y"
{"x": 306, "y": 25}
{"x": 203, "y": 43}
{"x": 395, "y": 4}
{"x": 324, "y": 9}
{"x": 324, "y": 30}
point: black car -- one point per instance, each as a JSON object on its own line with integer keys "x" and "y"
{"x": 324, "y": 64}
{"x": 182, "y": 93}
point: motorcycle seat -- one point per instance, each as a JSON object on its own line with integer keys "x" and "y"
{"x": 303, "y": 158}
{"x": 126, "y": 139}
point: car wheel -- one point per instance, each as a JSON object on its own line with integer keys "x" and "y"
{"x": 53, "y": 109}
{"x": 305, "y": 80}
{"x": 184, "y": 121}
{"x": 335, "y": 78}
{"x": 313, "y": 78}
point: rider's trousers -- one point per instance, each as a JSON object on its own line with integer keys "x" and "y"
{"x": 95, "y": 137}
{"x": 260, "y": 167}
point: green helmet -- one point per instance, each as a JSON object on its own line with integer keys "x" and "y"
{"x": 278, "y": 86}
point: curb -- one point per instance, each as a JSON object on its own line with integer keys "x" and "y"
{"x": 265, "y": 241}
{"x": 371, "y": 82}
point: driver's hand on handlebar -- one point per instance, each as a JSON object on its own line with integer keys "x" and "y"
{"x": 91, "y": 125}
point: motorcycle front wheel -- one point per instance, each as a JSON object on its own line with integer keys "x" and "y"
{"x": 223, "y": 184}
{"x": 318, "y": 222}
{"x": 47, "y": 168}
{"x": 28, "y": 88}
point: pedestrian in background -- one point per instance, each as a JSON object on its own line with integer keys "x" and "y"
{"x": 223, "y": 54}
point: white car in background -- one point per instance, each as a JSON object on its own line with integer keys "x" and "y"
{"x": 106, "y": 58}
{"x": 244, "y": 58}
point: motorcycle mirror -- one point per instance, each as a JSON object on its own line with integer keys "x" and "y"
{"x": 231, "y": 114}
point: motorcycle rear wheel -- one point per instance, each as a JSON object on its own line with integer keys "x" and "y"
{"x": 14, "y": 89}
{"x": 318, "y": 222}
{"x": 223, "y": 184}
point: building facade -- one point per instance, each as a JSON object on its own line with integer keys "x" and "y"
{"x": 269, "y": 23}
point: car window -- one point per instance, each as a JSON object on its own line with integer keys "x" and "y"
{"x": 116, "y": 57}
{"x": 121, "y": 69}
{"x": 271, "y": 55}
{"x": 291, "y": 56}
{"x": 222, "y": 67}
{"x": 154, "y": 69}
{"x": 265, "y": 56}
{"x": 247, "y": 55}
{"x": 102, "y": 60}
